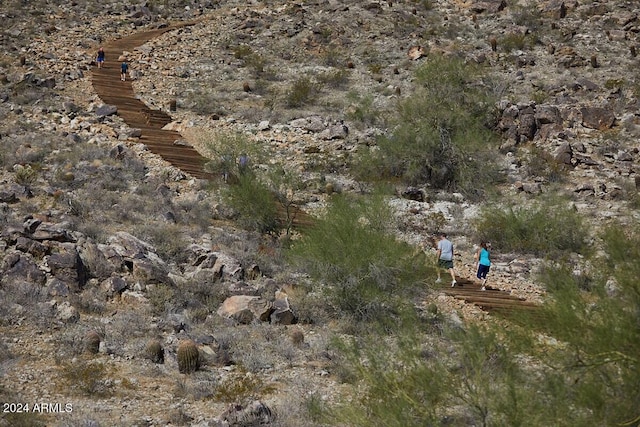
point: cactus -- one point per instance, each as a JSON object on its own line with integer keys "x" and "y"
{"x": 188, "y": 357}
{"x": 92, "y": 342}
{"x": 154, "y": 351}
{"x": 297, "y": 337}
{"x": 494, "y": 43}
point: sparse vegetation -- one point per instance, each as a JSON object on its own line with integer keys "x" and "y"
{"x": 241, "y": 387}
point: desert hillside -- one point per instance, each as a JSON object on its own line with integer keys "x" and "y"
{"x": 241, "y": 231}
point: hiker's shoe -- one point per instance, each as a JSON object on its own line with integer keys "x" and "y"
{"x": 483, "y": 289}
{"x": 438, "y": 280}
{"x": 453, "y": 284}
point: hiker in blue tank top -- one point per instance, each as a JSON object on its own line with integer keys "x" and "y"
{"x": 123, "y": 70}
{"x": 483, "y": 263}
{"x": 100, "y": 57}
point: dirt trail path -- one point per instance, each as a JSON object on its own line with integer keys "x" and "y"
{"x": 107, "y": 84}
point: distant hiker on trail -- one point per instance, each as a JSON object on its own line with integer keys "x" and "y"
{"x": 100, "y": 57}
{"x": 483, "y": 263}
{"x": 123, "y": 70}
{"x": 445, "y": 258}
{"x": 243, "y": 164}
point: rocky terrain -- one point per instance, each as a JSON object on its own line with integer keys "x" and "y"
{"x": 100, "y": 237}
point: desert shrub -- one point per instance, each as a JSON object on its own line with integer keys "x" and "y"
{"x": 517, "y": 41}
{"x": 255, "y": 204}
{"x": 240, "y": 387}
{"x": 302, "y": 91}
{"x": 332, "y": 56}
{"x": 546, "y": 228}
{"x": 161, "y": 298}
{"x": 23, "y": 419}
{"x": 256, "y": 192}
{"x": 366, "y": 273}
{"x": 242, "y": 51}
{"x": 362, "y": 109}
{"x": 424, "y": 4}
{"x": 541, "y": 163}
{"x": 477, "y": 379}
{"x": 26, "y": 294}
{"x": 202, "y": 101}
{"x": 596, "y": 368}
{"x": 441, "y": 133}
{"x": 225, "y": 150}
{"x": 335, "y": 78}
{"x": 88, "y": 378}
{"x": 256, "y": 63}
{"x": 26, "y": 175}
{"x": 528, "y": 16}
{"x": 168, "y": 239}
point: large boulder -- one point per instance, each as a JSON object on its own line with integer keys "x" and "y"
{"x": 20, "y": 267}
{"x": 597, "y": 118}
{"x": 282, "y": 312}
{"x": 67, "y": 266}
{"x": 98, "y": 266}
{"x": 245, "y": 309}
{"x": 140, "y": 258}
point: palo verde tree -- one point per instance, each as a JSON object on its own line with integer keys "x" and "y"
{"x": 441, "y": 133}
{"x": 366, "y": 273}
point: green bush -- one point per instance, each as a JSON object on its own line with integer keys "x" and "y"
{"x": 255, "y": 204}
{"x": 366, "y": 273}
{"x": 597, "y": 368}
{"x": 88, "y": 378}
{"x": 547, "y": 228}
{"x": 302, "y": 91}
{"x": 336, "y": 78}
{"x": 224, "y": 150}
{"x": 541, "y": 163}
{"x": 441, "y": 133}
{"x": 362, "y": 109}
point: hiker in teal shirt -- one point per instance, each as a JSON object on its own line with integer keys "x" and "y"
{"x": 483, "y": 262}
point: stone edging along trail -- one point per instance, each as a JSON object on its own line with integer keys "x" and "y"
{"x": 111, "y": 90}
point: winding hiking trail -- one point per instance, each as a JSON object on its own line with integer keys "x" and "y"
{"x": 107, "y": 84}
{"x": 113, "y": 91}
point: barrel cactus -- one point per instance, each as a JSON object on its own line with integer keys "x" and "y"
{"x": 188, "y": 357}
{"x": 92, "y": 342}
{"x": 154, "y": 351}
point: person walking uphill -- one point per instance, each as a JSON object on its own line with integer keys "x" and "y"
{"x": 483, "y": 263}
{"x": 100, "y": 57}
{"x": 123, "y": 70}
{"x": 445, "y": 258}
